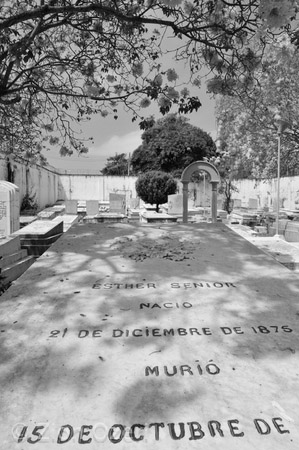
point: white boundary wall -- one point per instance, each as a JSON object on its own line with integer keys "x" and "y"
{"x": 38, "y": 182}
{"x": 266, "y": 192}
{"x": 49, "y": 185}
{"x": 94, "y": 186}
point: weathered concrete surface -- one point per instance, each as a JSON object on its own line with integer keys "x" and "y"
{"x": 168, "y": 337}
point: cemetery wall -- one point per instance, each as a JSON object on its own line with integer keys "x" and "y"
{"x": 47, "y": 185}
{"x": 266, "y": 192}
{"x": 38, "y": 182}
{"x": 95, "y": 186}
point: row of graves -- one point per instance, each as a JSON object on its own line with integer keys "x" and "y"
{"x": 262, "y": 221}
{"x": 119, "y": 209}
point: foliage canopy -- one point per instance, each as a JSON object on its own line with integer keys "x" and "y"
{"x": 116, "y": 165}
{"x": 248, "y": 126}
{"x": 155, "y": 186}
{"x": 170, "y": 145}
{"x": 62, "y": 60}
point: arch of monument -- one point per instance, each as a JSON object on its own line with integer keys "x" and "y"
{"x": 214, "y": 180}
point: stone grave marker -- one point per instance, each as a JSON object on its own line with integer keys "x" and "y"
{"x": 9, "y": 208}
{"x": 71, "y": 206}
{"x": 219, "y": 203}
{"x": 5, "y": 209}
{"x": 252, "y": 203}
{"x": 117, "y": 203}
{"x": 161, "y": 337}
{"x": 175, "y": 204}
{"x": 15, "y": 212}
{"x": 92, "y": 207}
{"x": 134, "y": 203}
{"x": 237, "y": 203}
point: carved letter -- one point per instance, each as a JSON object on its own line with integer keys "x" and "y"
{"x": 185, "y": 368}
{"x": 132, "y": 432}
{"x": 279, "y": 426}
{"x": 117, "y": 333}
{"x": 152, "y": 371}
{"x": 233, "y": 428}
{"x": 157, "y": 427}
{"x": 116, "y": 440}
{"x": 172, "y": 433}
{"x": 195, "y": 431}
{"x": 258, "y": 423}
{"x": 170, "y": 374}
{"x": 85, "y": 433}
{"x": 70, "y": 430}
{"x": 212, "y": 431}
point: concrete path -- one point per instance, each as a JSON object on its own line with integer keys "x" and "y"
{"x": 129, "y": 336}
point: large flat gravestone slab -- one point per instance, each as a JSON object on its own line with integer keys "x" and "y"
{"x": 67, "y": 219}
{"x": 41, "y": 228}
{"x": 152, "y": 217}
{"x": 126, "y": 336}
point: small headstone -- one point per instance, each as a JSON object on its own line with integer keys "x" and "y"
{"x": 175, "y": 204}
{"x": 237, "y": 203}
{"x": 117, "y": 203}
{"x": 252, "y": 203}
{"x": 9, "y": 208}
{"x": 219, "y": 203}
{"x": 134, "y": 203}
{"x": 15, "y": 213}
{"x": 71, "y": 206}
{"x": 92, "y": 207}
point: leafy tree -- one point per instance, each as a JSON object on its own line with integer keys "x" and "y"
{"x": 64, "y": 60}
{"x": 154, "y": 187}
{"x": 170, "y": 145}
{"x": 248, "y": 126}
{"x": 116, "y": 165}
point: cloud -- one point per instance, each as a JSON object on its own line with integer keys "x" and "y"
{"x": 96, "y": 158}
{"x": 118, "y": 144}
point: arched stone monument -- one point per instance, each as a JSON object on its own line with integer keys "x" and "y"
{"x": 214, "y": 180}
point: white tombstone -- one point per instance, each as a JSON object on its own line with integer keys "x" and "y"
{"x": 92, "y": 207}
{"x": 9, "y": 208}
{"x": 252, "y": 203}
{"x": 117, "y": 203}
{"x": 15, "y": 191}
{"x": 237, "y": 203}
{"x": 175, "y": 204}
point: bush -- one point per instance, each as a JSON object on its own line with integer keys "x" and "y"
{"x": 153, "y": 187}
{"x": 29, "y": 203}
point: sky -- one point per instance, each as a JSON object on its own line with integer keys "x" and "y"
{"x": 112, "y": 136}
